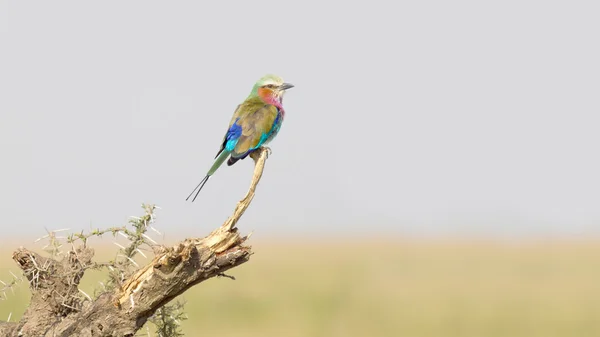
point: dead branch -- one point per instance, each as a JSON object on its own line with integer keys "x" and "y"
{"x": 56, "y": 311}
{"x": 8, "y": 328}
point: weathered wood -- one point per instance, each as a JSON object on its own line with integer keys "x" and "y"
{"x": 54, "y": 311}
{"x": 54, "y": 286}
{"x": 8, "y": 328}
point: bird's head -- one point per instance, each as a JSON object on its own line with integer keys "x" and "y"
{"x": 270, "y": 88}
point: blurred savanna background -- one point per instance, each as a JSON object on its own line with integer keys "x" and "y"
{"x": 436, "y": 173}
{"x": 389, "y": 287}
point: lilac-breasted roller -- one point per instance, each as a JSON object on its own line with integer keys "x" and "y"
{"x": 255, "y": 122}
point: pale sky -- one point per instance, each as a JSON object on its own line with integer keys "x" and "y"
{"x": 417, "y": 118}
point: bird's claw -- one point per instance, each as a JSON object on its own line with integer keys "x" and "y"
{"x": 268, "y": 149}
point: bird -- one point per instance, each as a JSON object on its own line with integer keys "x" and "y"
{"x": 255, "y": 122}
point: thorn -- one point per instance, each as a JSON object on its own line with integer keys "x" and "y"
{"x": 155, "y": 230}
{"x": 68, "y": 306}
{"x": 225, "y": 275}
{"x": 147, "y": 237}
{"x": 39, "y": 239}
{"x": 86, "y": 295}
{"x": 130, "y": 259}
{"x": 139, "y": 251}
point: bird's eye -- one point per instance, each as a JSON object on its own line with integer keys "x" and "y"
{"x": 270, "y": 86}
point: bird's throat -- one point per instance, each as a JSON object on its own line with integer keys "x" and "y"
{"x": 270, "y": 97}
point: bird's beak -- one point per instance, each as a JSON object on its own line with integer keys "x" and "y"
{"x": 286, "y": 86}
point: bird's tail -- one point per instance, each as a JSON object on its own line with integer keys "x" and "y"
{"x": 218, "y": 162}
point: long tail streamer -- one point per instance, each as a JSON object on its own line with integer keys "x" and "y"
{"x": 199, "y": 188}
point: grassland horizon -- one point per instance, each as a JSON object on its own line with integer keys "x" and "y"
{"x": 386, "y": 287}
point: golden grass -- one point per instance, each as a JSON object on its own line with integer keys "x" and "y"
{"x": 416, "y": 289}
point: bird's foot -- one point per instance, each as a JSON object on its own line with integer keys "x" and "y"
{"x": 268, "y": 149}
